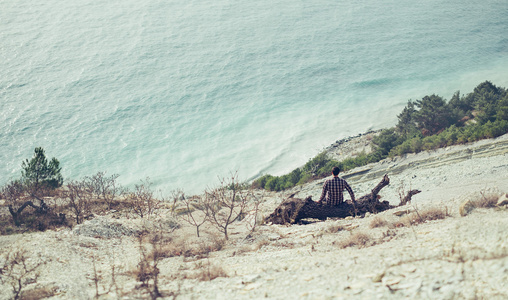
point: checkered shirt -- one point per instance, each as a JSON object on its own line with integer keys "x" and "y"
{"x": 334, "y": 188}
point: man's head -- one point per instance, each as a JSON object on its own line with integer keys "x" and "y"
{"x": 335, "y": 171}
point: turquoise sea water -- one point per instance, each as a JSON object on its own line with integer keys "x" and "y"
{"x": 185, "y": 91}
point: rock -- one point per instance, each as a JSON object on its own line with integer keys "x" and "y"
{"x": 378, "y": 277}
{"x": 503, "y": 200}
{"x": 102, "y": 227}
{"x": 466, "y": 207}
{"x": 251, "y": 278}
{"x": 401, "y": 212}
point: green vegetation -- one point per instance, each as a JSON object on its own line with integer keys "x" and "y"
{"x": 38, "y": 174}
{"x": 425, "y": 124}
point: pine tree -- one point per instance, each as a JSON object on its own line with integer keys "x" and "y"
{"x": 37, "y": 173}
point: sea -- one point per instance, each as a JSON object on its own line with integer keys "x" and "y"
{"x": 186, "y": 93}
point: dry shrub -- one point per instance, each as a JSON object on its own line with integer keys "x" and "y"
{"x": 105, "y": 189}
{"x": 405, "y": 221}
{"x": 79, "y": 197}
{"x": 39, "y": 293}
{"x": 195, "y": 212}
{"x": 142, "y": 200}
{"x": 147, "y": 271}
{"x": 334, "y": 228}
{"x": 18, "y": 270}
{"x": 251, "y": 248}
{"x": 227, "y": 203}
{"x": 200, "y": 249}
{"x": 330, "y": 228}
{"x": 359, "y": 239}
{"x": 481, "y": 200}
{"x": 418, "y": 217}
{"x": 433, "y": 213}
{"x": 262, "y": 243}
{"x": 387, "y": 236}
{"x": 378, "y": 222}
{"x": 486, "y": 200}
{"x": 203, "y": 249}
{"x": 207, "y": 271}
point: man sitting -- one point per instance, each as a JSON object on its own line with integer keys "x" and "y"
{"x": 334, "y": 188}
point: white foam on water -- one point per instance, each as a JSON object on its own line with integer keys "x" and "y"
{"x": 187, "y": 91}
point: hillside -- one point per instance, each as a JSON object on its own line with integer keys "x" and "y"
{"x": 400, "y": 253}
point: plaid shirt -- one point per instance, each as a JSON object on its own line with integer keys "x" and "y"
{"x": 335, "y": 187}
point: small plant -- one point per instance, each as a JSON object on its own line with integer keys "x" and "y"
{"x": 431, "y": 214}
{"x": 260, "y": 244}
{"x": 378, "y": 222}
{"x": 80, "y": 198}
{"x": 252, "y": 220}
{"x": 334, "y": 228}
{"x": 486, "y": 200}
{"x": 483, "y": 200}
{"x": 97, "y": 277}
{"x": 209, "y": 271}
{"x": 12, "y": 192}
{"x": 196, "y": 211}
{"x": 198, "y": 250}
{"x": 227, "y": 203}
{"x": 418, "y": 217}
{"x": 147, "y": 270}
{"x": 105, "y": 189}
{"x": 18, "y": 270}
{"x": 359, "y": 239}
{"x": 142, "y": 199}
{"x": 152, "y": 249}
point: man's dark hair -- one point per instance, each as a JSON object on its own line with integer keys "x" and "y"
{"x": 335, "y": 171}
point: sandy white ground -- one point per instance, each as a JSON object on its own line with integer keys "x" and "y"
{"x": 454, "y": 258}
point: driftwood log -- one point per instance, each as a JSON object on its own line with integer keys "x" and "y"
{"x": 293, "y": 210}
{"x": 41, "y": 212}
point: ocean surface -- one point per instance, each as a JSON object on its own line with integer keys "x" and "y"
{"x": 185, "y": 92}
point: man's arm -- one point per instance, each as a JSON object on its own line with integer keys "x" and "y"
{"x": 350, "y": 191}
{"x": 323, "y": 193}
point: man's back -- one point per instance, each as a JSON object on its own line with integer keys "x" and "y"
{"x": 333, "y": 191}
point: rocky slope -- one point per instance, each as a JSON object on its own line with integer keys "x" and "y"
{"x": 458, "y": 257}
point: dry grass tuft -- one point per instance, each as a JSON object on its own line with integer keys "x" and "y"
{"x": 260, "y": 244}
{"x": 433, "y": 213}
{"x": 482, "y": 200}
{"x": 359, "y": 239}
{"x": 486, "y": 200}
{"x": 419, "y": 217}
{"x": 199, "y": 249}
{"x": 334, "y": 228}
{"x": 207, "y": 272}
{"x": 378, "y": 222}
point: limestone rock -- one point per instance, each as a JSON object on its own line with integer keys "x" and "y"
{"x": 503, "y": 200}
{"x": 466, "y": 207}
{"x": 402, "y": 212}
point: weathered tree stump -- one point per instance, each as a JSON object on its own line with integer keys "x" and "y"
{"x": 293, "y": 210}
{"x": 42, "y": 212}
